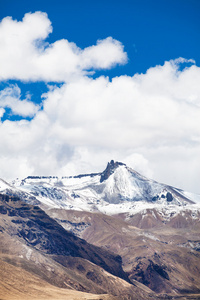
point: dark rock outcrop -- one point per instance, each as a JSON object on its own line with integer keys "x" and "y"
{"x": 111, "y": 167}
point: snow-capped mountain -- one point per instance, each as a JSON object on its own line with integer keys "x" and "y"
{"x": 153, "y": 229}
{"x": 118, "y": 189}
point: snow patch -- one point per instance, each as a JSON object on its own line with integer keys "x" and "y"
{"x": 28, "y": 254}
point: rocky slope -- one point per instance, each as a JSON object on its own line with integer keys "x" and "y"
{"x": 36, "y": 243}
{"x": 165, "y": 257}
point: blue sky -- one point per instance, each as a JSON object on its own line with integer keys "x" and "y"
{"x": 133, "y": 96}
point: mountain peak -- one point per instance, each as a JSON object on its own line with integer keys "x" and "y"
{"x": 111, "y": 167}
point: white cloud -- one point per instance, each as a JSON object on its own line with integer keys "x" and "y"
{"x": 149, "y": 121}
{"x": 129, "y": 111}
{"x": 10, "y": 98}
{"x": 138, "y": 162}
{"x": 25, "y": 55}
{"x": 94, "y": 56}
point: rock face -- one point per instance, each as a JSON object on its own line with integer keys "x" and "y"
{"x": 110, "y": 169}
{"x": 151, "y": 274}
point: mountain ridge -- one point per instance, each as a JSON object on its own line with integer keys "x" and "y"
{"x": 118, "y": 189}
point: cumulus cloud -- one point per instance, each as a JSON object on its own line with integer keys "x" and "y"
{"x": 94, "y": 56}
{"x": 25, "y": 55}
{"x": 10, "y": 97}
{"x": 149, "y": 121}
{"x": 147, "y": 109}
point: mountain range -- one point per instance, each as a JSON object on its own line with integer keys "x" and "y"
{"x": 109, "y": 235}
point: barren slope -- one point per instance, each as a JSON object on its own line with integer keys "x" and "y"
{"x": 32, "y": 241}
{"x": 18, "y": 284}
{"x": 165, "y": 258}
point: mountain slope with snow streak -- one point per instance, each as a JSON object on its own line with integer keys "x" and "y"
{"x": 118, "y": 189}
